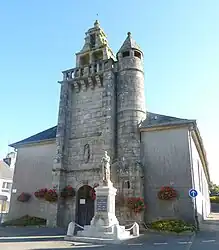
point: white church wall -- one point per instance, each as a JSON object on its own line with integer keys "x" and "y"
{"x": 33, "y": 170}
{"x": 166, "y": 162}
{"x": 200, "y": 183}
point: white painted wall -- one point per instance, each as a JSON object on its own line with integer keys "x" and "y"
{"x": 200, "y": 183}
{"x": 33, "y": 170}
{"x": 5, "y": 191}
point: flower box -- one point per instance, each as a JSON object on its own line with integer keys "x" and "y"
{"x": 167, "y": 193}
{"x": 24, "y": 197}
{"x": 136, "y": 204}
{"x": 51, "y": 195}
{"x": 68, "y": 192}
{"x": 40, "y": 193}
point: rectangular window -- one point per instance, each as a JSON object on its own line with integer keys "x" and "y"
{"x": 6, "y": 186}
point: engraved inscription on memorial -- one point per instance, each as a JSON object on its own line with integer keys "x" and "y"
{"x": 101, "y": 204}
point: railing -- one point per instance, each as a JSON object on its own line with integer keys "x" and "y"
{"x": 86, "y": 70}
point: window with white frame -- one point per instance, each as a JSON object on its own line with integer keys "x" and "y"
{"x": 6, "y": 186}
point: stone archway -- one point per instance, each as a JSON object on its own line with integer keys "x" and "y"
{"x": 85, "y": 206}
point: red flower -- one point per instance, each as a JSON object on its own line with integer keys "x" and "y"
{"x": 167, "y": 193}
{"x": 40, "y": 193}
{"x": 68, "y": 192}
{"x": 93, "y": 194}
{"x": 136, "y": 204}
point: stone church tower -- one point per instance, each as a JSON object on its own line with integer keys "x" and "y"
{"x": 101, "y": 105}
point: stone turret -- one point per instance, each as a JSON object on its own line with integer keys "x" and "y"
{"x": 130, "y": 106}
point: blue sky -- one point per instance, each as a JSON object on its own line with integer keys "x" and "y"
{"x": 179, "y": 38}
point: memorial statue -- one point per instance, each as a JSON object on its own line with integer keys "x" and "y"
{"x": 106, "y": 168}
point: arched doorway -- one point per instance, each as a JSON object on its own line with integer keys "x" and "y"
{"x": 85, "y": 206}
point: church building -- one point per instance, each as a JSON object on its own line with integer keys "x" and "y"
{"x": 102, "y": 108}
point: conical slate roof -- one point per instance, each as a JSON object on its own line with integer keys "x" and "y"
{"x": 129, "y": 43}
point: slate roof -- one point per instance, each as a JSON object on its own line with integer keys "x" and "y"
{"x": 5, "y": 171}
{"x": 155, "y": 120}
{"x": 129, "y": 43}
{"x": 42, "y": 136}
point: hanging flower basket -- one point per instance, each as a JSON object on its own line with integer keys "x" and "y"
{"x": 68, "y": 192}
{"x": 51, "y": 195}
{"x": 93, "y": 192}
{"x": 24, "y": 197}
{"x": 40, "y": 193}
{"x": 136, "y": 204}
{"x": 167, "y": 193}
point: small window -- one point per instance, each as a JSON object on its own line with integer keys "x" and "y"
{"x": 137, "y": 54}
{"x": 125, "y": 54}
{"x": 6, "y": 186}
{"x": 127, "y": 184}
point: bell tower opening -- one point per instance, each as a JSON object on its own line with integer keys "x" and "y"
{"x": 93, "y": 40}
{"x": 85, "y": 60}
{"x": 97, "y": 56}
{"x": 95, "y": 49}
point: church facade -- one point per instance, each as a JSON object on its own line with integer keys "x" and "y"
{"x": 102, "y": 108}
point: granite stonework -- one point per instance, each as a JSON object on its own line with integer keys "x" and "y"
{"x": 102, "y": 108}
{"x": 101, "y": 105}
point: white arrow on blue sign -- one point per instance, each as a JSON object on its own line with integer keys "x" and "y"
{"x": 193, "y": 193}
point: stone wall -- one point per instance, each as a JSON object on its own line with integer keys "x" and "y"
{"x": 86, "y": 128}
{"x": 77, "y": 179}
{"x": 131, "y": 111}
{"x": 92, "y": 124}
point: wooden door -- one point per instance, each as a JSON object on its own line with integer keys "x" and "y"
{"x": 85, "y": 206}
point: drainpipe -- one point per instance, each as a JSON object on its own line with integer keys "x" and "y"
{"x": 193, "y": 182}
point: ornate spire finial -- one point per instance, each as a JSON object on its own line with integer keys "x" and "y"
{"x": 97, "y": 24}
{"x": 129, "y": 33}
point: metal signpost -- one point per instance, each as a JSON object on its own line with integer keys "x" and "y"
{"x": 193, "y": 194}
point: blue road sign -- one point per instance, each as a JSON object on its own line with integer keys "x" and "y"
{"x": 193, "y": 193}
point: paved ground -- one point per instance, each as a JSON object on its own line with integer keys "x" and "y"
{"x": 47, "y": 239}
{"x": 215, "y": 207}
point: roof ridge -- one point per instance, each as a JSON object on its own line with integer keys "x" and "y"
{"x": 47, "y": 134}
{"x": 175, "y": 117}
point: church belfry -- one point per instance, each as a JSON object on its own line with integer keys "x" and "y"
{"x": 101, "y": 105}
{"x": 95, "y": 48}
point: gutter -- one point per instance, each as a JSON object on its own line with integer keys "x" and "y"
{"x": 201, "y": 150}
{"x": 17, "y": 145}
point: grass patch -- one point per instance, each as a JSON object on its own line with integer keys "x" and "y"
{"x": 177, "y": 226}
{"x": 214, "y": 199}
{"x": 25, "y": 221}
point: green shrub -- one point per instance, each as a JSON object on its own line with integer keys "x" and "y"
{"x": 25, "y": 221}
{"x": 176, "y": 226}
{"x": 214, "y": 199}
